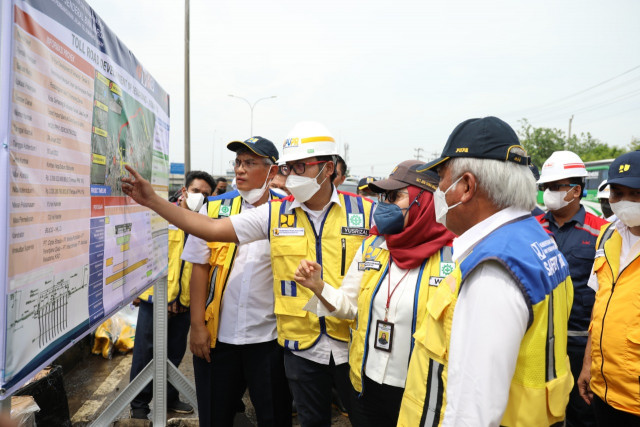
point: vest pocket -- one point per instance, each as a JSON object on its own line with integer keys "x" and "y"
{"x": 290, "y": 306}
{"x": 435, "y": 339}
{"x": 558, "y": 392}
{"x": 633, "y": 351}
{"x": 218, "y": 252}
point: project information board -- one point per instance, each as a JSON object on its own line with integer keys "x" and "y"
{"x": 76, "y": 107}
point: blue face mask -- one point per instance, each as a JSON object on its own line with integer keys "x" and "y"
{"x": 389, "y": 218}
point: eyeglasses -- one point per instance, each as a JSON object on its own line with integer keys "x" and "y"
{"x": 392, "y": 196}
{"x": 246, "y": 164}
{"x": 554, "y": 187}
{"x": 299, "y": 168}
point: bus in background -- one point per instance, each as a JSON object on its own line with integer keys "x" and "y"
{"x": 597, "y": 171}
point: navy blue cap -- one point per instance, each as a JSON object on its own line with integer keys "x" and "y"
{"x": 486, "y": 138}
{"x": 363, "y": 184}
{"x": 625, "y": 170}
{"x": 258, "y": 145}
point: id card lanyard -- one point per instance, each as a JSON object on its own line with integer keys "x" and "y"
{"x": 384, "y": 328}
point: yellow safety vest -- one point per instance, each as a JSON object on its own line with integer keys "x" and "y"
{"x": 293, "y": 238}
{"x": 179, "y": 271}
{"x": 375, "y": 262}
{"x": 221, "y": 260}
{"x": 615, "y": 326}
{"x": 542, "y": 381}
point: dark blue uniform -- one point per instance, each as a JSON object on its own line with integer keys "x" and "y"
{"x": 576, "y": 239}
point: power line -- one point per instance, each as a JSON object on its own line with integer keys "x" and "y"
{"x": 548, "y": 104}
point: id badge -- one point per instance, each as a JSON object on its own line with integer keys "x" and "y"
{"x": 384, "y": 336}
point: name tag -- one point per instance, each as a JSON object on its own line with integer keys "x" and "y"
{"x": 351, "y": 231}
{"x": 369, "y": 265}
{"x": 288, "y": 231}
{"x": 435, "y": 280}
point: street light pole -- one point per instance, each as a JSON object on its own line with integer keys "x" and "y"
{"x": 251, "y": 106}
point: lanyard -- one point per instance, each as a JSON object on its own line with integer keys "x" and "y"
{"x": 391, "y": 292}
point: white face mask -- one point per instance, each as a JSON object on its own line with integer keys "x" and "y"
{"x": 302, "y": 187}
{"x": 252, "y": 196}
{"x": 554, "y": 200}
{"x": 627, "y": 212}
{"x": 195, "y": 201}
{"x": 440, "y": 203}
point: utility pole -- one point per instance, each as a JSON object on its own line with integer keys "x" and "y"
{"x": 187, "y": 117}
{"x": 570, "y": 120}
{"x": 418, "y": 154}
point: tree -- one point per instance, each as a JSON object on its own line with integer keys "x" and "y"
{"x": 541, "y": 142}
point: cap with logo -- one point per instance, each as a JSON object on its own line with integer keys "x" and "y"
{"x": 486, "y": 138}
{"x": 562, "y": 165}
{"x": 625, "y": 170}
{"x": 363, "y": 184}
{"x": 308, "y": 139}
{"x": 405, "y": 174}
{"x": 258, "y": 145}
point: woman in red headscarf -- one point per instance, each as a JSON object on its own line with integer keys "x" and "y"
{"x": 386, "y": 290}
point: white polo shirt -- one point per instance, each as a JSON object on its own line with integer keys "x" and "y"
{"x": 246, "y": 312}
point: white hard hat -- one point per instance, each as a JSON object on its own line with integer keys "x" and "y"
{"x": 561, "y": 165}
{"x": 308, "y": 139}
{"x": 604, "y": 193}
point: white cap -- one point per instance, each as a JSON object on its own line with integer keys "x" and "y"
{"x": 561, "y": 165}
{"x": 604, "y": 193}
{"x": 308, "y": 139}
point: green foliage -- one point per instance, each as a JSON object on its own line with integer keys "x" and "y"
{"x": 540, "y": 143}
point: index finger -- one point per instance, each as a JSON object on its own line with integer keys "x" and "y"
{"x": 133, "y": 172}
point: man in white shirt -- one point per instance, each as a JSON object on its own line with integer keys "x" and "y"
{"x": 233, "y": 335}
{"x": 317, "y": 222}
{"x": 505, "y": 344}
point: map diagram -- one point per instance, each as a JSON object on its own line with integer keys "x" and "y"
{"x": 120, "y": 123}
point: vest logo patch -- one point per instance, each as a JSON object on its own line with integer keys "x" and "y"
{"x": 288, "y": 231}
{"x": 355, "y": 220}
{"x": 287, "y": 220}
{"x": 224, "y": 210}
{"x": 369, "y": 265}
{"x": 446, "y": 268}
{"x": 348, "y": 231}
{"x": 435, "y": 280}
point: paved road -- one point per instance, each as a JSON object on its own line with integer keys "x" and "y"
{"x": 92, "y": 382}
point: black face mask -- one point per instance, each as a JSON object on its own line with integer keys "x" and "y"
{"x": 221, "y": 190}
{"x": 606, "y": 208}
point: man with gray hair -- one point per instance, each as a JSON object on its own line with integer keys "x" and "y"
{"x": 493, "y": 349}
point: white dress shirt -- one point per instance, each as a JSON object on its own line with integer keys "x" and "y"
{"x": 253, "y": 225}
{"x": 382, "y": 367}
{"x": 489, "y": 322}
{"x": 246, "y": 312}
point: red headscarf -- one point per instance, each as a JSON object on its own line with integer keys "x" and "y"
{"x": 422, "y": 237}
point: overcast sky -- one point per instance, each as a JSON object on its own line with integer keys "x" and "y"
{"x": 386, "y": 77}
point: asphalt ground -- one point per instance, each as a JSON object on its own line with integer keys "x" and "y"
{"x": 92, "y": 382}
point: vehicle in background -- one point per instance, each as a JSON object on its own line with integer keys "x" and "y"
{"x": 350, "y": 185}
{"x": 597, "y": 171}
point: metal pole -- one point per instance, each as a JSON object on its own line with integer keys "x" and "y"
{"x": 570, "y": 120}
{"x": 187, "y": 117}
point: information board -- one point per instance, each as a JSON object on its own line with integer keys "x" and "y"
{"x": 76, "y": 107}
